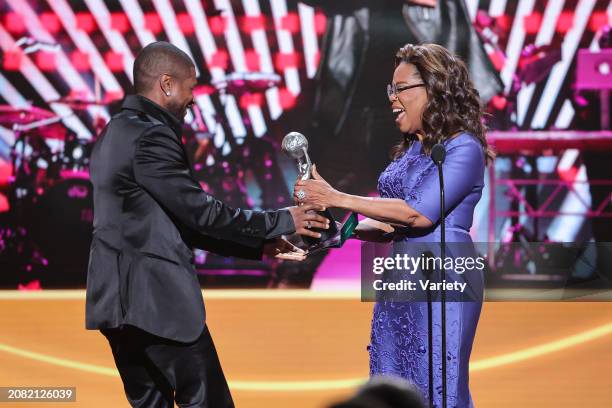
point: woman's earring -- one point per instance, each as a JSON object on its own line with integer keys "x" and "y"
{"x": 167, "y": 93}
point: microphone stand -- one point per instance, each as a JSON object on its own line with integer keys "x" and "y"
{"x": 428, "y": 254}
{"x": 438, "y": 158}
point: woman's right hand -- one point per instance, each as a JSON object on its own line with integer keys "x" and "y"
{"x": 373, "y": 231}
{"x": 316, "y": 191}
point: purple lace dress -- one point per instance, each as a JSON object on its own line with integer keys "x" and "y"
{"x": 399, "y": 341}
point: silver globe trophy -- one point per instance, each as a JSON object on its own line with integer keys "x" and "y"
{"x": 295, "y": 145}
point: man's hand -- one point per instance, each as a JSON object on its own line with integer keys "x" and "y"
{"x": 280, "y": 248}
{"x": 305, "y": 218}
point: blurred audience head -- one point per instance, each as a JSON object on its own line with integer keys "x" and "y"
{"x": 385, "y": 392}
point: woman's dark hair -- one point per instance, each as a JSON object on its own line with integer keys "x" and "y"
{"x": 453, "y": 103}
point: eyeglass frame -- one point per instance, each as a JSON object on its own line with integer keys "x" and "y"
{"x": 394, "y": 90}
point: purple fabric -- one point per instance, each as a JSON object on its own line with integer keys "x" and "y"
{"x": 399, "y": 338}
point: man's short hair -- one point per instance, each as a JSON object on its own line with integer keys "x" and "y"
{"x": 156, "y": 59}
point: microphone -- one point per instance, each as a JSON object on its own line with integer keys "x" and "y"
{"x": 438, "y": 154}
{"x": 296, "y": 145}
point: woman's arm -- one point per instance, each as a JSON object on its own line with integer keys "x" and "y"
{"x": 388, "y": 210}
{"x": 463, "y": 171}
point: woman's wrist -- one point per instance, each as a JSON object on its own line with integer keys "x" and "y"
{"x": 343, "y": 200}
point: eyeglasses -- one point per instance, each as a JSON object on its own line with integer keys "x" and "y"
{"x": 394, "y": 90}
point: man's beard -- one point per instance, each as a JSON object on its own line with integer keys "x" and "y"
{"x": 179, "y": 111}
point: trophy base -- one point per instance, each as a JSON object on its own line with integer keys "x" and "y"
{"x": 345, "y": 231}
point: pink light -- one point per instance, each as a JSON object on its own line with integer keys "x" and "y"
{"x": 219, "y": 59}
{"x": 78, "y": 192}
{"x": 483, "y": 19}
{"x": 46, "y": 61}
{"x": 204, "y": 90}
{"x": 532, "y": 23}
{"x": 120, "y": 22}
{"x": 51, "y": 22}
{"x": 33, "y": 285}
{"x": 317, "y": 58}
{"x": 78, "y": 94}
{"x": 320, "y": 23}
{"x": 114, "y": 95}
{"x": 12, "y": 60}
{"x": 503, "y": 22}
{"x": 217, "y": 24}
{"x": 498, "y": 59}
{"x": 252, "y": 60}
{"x": 249, "y": 99}
{"x": 185, "y": 22}
{"x": 565, "y": 22}
{"x": 286, "y": 98}
{"x": 245, "y": 101}
{"x": 85, "y": 22}
{"x": 291, "y": 23}
{"x": 499, "y": 102}
{"x": 153, "y": 23}
{"x": 114, "y": 61}
{"x": 283, "y": 61}
{"x": 80, "y": 61}
{"x": 14, "y": 23}
{"x": 6, "y": 170}
{"x": 568, "y": 175}
{"x": 4, "y": 204}
{"x": 598, "y": 20}
{"x": 252, "y": 23}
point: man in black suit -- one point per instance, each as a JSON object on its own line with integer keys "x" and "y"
{"x": 142, "y": 289}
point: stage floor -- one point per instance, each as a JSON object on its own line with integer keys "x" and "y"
{"x": 306, "y": 348}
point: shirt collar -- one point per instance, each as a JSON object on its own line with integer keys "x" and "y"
{"x": 145, "y": 105}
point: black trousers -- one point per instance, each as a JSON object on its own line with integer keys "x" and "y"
{"x": 157, "y": 372}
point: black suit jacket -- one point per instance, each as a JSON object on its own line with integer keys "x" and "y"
{"x": 148, "y": 210}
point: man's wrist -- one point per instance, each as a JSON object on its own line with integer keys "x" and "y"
{"x": 291, "y": 227}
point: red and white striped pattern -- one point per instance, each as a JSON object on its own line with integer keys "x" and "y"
{"x": 99, "y": 41}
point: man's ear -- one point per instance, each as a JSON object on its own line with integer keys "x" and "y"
{"x": 165, "y": 82}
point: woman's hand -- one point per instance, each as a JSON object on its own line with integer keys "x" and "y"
{"x": 373, "y": 231}
{"x": 316, "y": 191}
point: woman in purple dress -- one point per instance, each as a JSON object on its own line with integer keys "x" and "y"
{"x": 433, "y": 101}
